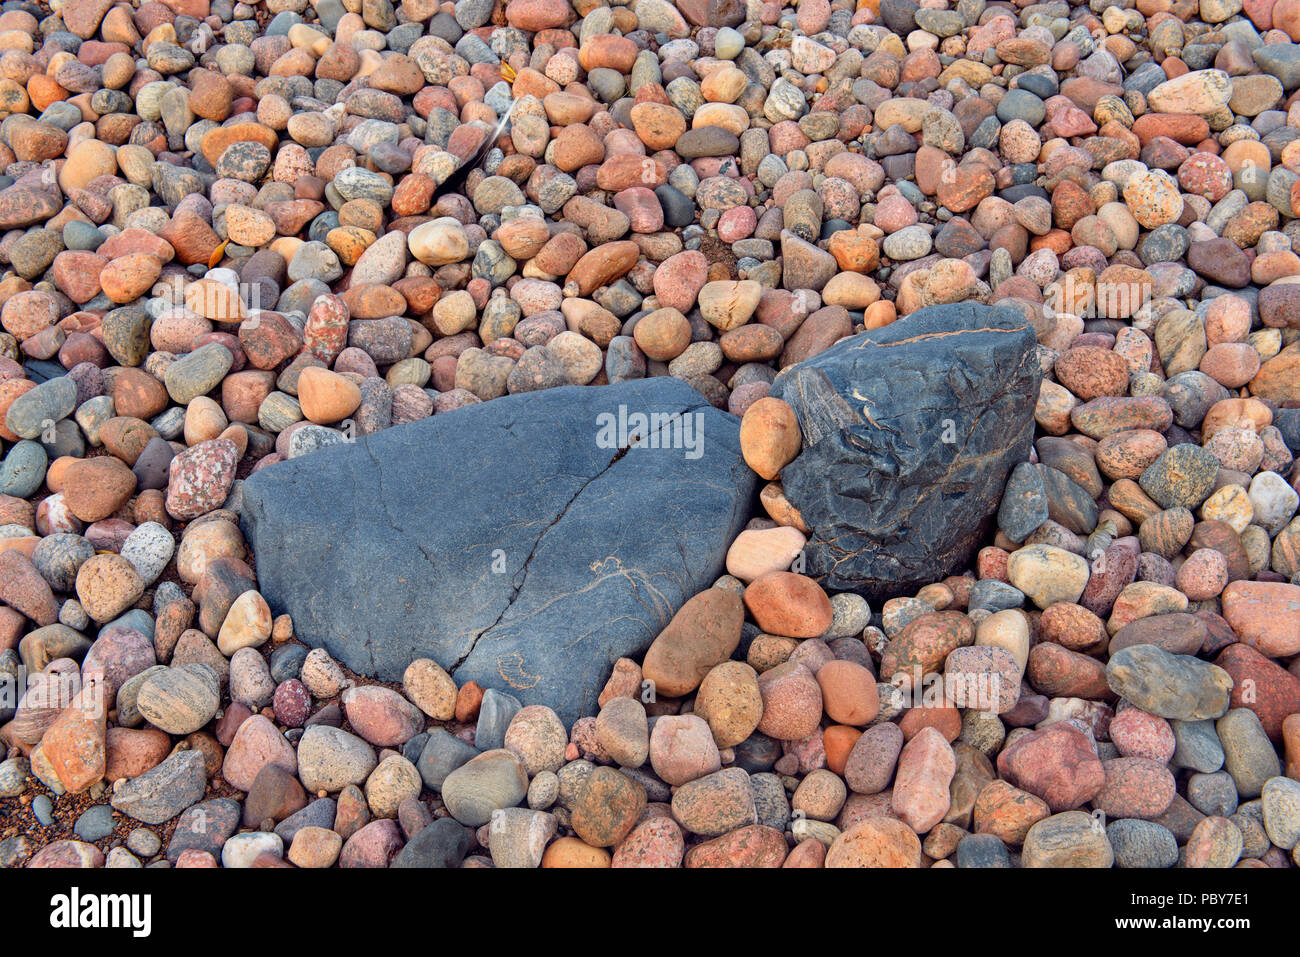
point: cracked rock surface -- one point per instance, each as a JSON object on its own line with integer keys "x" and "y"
{"x": 510, "y": 542}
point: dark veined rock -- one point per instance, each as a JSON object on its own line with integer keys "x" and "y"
{"x": 909, "y": 434}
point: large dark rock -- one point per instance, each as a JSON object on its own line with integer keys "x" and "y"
{"x": 515, "y": 542}
{"x": 909, "y": 433}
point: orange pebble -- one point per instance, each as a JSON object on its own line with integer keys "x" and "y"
{"x": 838, "y": 740}
{"x": 571, "y": 852}
{"x": 1291, "y": 740}
{"x": 57, "y": 470}
{"x": 468, "y": 699}
{"x": 45, "y": 90}
{"x": 809, "y": 853}
{"x": 944, "y": 718}
{"x": 879, "y": 314}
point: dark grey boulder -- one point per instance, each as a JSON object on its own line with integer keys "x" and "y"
{"x": 205, "y": 827}
{"x": 443, "y": 843}
{"x": 495, "y": 712}
{"x": 1281, "y": 60}
{"x": 164, "y": 791}
{"x": 909, "y": 434}
{"x": 319, "y": 813}
{"x": 520, "y": 543}
{"x": 982, "y": 850}
{"x": 442, "y": 753}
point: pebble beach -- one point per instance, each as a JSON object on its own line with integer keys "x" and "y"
{"x": 241, "y": 241}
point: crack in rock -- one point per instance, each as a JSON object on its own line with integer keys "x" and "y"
{"x": 523, "y": 569}
{"x": 384, "y": 553}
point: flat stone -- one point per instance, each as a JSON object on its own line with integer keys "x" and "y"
{"x": 161, "y": 793}
{"x": 569, "y": 565}
{"x": 1171, "y": 686}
